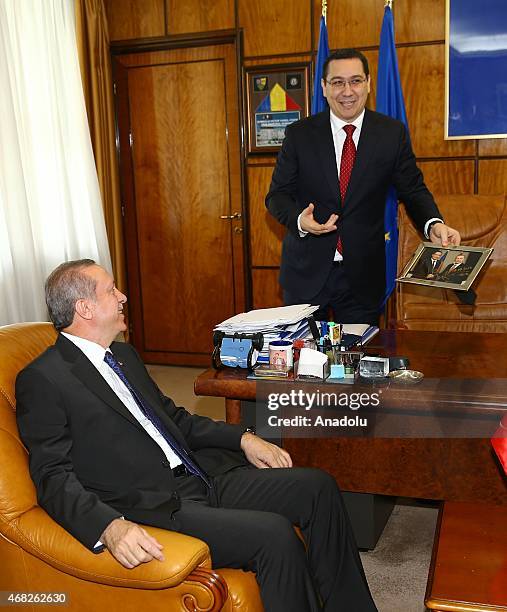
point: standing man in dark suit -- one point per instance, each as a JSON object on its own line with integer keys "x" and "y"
{"x": 329, "y": 189}
{"x": 109, "y": 452}
{"x": 429, "y": 267}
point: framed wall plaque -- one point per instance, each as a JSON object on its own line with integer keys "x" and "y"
{"x": 276, "y": 96}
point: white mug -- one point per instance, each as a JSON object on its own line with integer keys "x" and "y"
{"x": 280, "y": 354}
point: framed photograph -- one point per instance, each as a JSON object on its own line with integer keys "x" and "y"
{"x": 276, "y": 96}
{"x": 449, "y": 267}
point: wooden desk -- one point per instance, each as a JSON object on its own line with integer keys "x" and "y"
{"x": 439, "y": 469}
{"x": 468, "y": 571}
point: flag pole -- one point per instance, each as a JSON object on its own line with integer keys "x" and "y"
{"x": 318, "y": 101}
{"x": 388, "y": 3}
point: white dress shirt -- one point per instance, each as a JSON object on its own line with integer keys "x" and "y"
{"x": 339, "y": 136}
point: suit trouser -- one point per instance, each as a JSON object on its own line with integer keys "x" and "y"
{"x": 247, "y": 521}
{"x": 337, "y": 294}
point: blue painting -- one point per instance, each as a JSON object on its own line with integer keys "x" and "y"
{"x": 477, "y": 69}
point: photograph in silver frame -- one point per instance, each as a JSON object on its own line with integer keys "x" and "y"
{"x": 446, "y": 267}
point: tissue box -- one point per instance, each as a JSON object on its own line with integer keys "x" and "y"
{"x": 312, "y": 365}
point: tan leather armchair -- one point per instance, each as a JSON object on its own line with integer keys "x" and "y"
{"x": 481, "y": 221}
{"x": 36, "y": 554}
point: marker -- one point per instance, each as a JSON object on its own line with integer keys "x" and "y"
{"x": 323, "y": 328}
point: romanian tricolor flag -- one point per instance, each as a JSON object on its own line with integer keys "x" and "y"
{"x": 277, "y": 100}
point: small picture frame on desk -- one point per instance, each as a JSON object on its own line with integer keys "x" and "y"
{"x": 276, "y": 96}
{"x": 449, "y": 268}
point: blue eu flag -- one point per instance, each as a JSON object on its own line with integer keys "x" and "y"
{"x": 318, "y": 101}
{"x": 390, "y": 102}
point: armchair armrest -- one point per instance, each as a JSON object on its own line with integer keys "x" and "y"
{"x": 37, "y": 533}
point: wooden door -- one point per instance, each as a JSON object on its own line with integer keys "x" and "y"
{"x": 180, "y": 167}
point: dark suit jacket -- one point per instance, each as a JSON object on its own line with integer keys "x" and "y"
{"x": 425, "y": 267}
{"x": 457, "y": 275}
{"x": 306, "y": 172}
{"x": 90, "y": 459}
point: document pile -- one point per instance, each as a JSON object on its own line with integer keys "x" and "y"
{"x": 357, "y": 334}
{"x": 283, "y": 323}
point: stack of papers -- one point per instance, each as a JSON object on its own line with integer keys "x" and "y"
{"x": 283, "y": 323}
{"x": 357, "y": 333}
{"x": 266, "y": 318}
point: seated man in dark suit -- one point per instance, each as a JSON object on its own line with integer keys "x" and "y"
{"x": 109, "y": 452}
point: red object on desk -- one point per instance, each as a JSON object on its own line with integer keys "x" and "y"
{"x": 499, "y": 442}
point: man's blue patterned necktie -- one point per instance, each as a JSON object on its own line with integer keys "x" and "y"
{"x": 150, "y": 414}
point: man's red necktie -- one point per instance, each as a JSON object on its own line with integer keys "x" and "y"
{"x": 346, "y": 165}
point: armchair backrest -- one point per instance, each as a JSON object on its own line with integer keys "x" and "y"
{"x": 19, "y": 345}
{"x": 482, "y": 221}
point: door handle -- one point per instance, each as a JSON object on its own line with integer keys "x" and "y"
{"x": 233, "y": 216}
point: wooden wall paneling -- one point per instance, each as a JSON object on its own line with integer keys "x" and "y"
{"x": 275, "y": 27}
{"x": 420, "y": 21}
{"x": 492, "y": 146}
{"x": 350, "y": 23}
{"x": 266, "y": 290}
{"x": 357, "y": 23}
{"x": 268, "y": 61}
{"x": 177, "y": 54}
{"x": 262, "y": 160}
{"x": 129, "y": 19}
{"x": 372, "y": 57}
{"x": 422, "y": 75}
{"x": 493, "y": 176}
{"x": 266, "y": 233}
{"x": 449, "y": 176}
{"x": 199, "y": 15}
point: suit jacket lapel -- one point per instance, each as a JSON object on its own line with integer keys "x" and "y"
{"x": 153, "y": 400}
{"x": 88, "y": 374}
{"x": 367, "y": 143}
{"x": 324, "y": 145}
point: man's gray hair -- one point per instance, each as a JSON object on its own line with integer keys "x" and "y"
{"x": 64, "y": 287}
